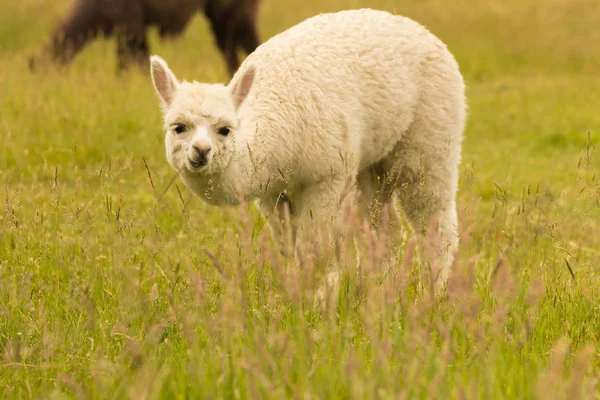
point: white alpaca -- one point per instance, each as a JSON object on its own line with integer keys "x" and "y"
{"x": 359, "y": 96}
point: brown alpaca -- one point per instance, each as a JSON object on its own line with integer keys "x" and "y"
{"x": 233, "y": 23}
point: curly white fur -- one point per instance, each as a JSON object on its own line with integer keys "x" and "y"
{"x": 358, "y": 96}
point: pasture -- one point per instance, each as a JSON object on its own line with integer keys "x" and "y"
{"x": 108, "y": 289}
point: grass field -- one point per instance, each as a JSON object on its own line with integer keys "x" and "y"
{"x": 108, "y": 292}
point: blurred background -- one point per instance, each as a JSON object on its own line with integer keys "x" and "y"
{"x": 531, "y": 70}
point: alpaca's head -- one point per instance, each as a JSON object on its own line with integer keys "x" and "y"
{"x": 201, "y": 119}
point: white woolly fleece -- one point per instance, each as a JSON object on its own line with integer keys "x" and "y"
{"x": 359, "y": 96}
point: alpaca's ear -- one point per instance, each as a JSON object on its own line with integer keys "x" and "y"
{"x": 241, "y": 88}
{"x": 164, "y": 81}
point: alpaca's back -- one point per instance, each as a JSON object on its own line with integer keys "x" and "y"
{"x": 350, "y": 81}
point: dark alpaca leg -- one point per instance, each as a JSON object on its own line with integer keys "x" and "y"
{"x": 247, "y": 37}
{"x": 223, "y": 30}
{"x": 231, "y": 56}
{"x": 132, "y": 47}
{"x": 226, "y": 43}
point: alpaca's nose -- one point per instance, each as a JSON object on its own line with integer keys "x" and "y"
{"x": 200, "y": 158}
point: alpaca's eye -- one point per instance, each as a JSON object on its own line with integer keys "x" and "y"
{"x": 180, "y": 128}
{"x": 224, "y": 131}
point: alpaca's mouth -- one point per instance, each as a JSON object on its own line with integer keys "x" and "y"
{"x": 197, "y": 165}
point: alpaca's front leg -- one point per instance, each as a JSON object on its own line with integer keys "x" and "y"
{"x": 132, "y": 46}
{"x": 278, "y": 212}
{"x": 317, "y": 209}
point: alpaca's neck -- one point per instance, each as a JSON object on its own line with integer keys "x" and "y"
{"x": 252, "y": 171}
{"x": 244, "y": 178}
{"x": 247, "y": 173}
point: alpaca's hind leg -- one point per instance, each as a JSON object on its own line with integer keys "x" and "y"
{"x": 429, "y": 211}
{"x": 246, "y": 36}
{"x": 223, "y": 26}
{"x": 425, "y": 166}
{"x": 224, "y": 35}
